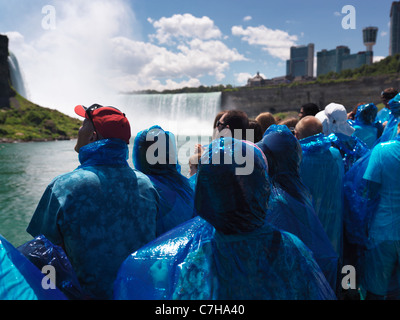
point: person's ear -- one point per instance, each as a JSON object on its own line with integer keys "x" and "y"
{"x": 94, "y": 137}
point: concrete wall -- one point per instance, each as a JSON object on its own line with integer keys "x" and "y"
{"x": 279, "y": 99}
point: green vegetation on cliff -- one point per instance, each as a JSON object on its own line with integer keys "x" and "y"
{"x": 26, "y": 121}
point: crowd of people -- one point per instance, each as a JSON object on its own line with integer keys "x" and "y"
{"x": 322, "y": 193}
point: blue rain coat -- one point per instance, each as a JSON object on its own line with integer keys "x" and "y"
{"x": 99, "y": 213}
{"x": 155, "y": 154}
{"x": 322, "y": 171}
{"x": 372, "y": 202}
{"x": 41, "y": 252}
{"x": 383, "y": 115}
{"x": 366, "y": 127}
{"x": 360, "y": 206}
{"x": 228, "y": 252}
{"x": 351, "y": 148}
{"x": 290, "y": 204}
{"x": 20, "y": 279}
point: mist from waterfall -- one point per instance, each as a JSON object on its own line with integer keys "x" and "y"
{"x": 17, "y": 80}
{"x": 186, "y": 114}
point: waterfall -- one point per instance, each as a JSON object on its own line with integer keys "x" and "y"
{"x": 186, "y": 114}
{"x": 17, "y": 80}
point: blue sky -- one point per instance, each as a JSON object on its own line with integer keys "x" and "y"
{"x": 82, "y": 50}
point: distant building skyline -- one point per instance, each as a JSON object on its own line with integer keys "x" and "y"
{"x": 301, "y": 62}
{"x": 394, "y": 42}
{"x": 340, "y": 59}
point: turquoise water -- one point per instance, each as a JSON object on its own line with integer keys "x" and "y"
{"x": 27, "y": 168}
{"x": 25, "y": 171}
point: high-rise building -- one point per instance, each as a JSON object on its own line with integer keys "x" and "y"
{"x": 394, "y": 42}
{"x": 340, "y": 59}
{"x": 301, "y": 63}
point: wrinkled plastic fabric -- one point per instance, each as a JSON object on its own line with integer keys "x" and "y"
{"x": 290, "y": 204}
{"x": 360, "y": 204}
{"x": 217, "y": 259}
{"x": 383, "y": 115}
{"x": 351, "y": 148}
{"x": 391, "y": 128}
{"x": 99, "y": 214}
{"x": 372, "y": 206}
{"x": 20, "y": 279}
{"x": 372, "y": 221}
{"x": 366, "y": 127}
{"x": 41, "y": 252}
{"x": 322, "y": 171}
{"x": 175, "y": 190}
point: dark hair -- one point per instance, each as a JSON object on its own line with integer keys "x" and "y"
{"x": 309, "y": 109}
{"x": 388, "y": 93}
{"x": 258, "y": 133}
{"x": 237, "y": 119}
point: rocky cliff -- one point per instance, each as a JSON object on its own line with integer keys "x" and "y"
{"x": 289, "y": 98}
{"x": 5, "y": 90}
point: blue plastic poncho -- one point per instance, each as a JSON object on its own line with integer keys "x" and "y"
{"x": 155, "y": 154}
{"x": 290, "y": 204}
{"x": 20, "y": 279}
{"x": 383, "y": 115}
{"x": 99, "y": 213}
{"x": 361, "y": 205}
{"x": 228, "y": 252}
{"x": 322, "y": 171}
{"x": 372, "y": 199}
{"x": 391, "y": 128}
{"x": 366, "y": 127}
{"x": 41, "y": 252}
{"x": 351, "y": 148}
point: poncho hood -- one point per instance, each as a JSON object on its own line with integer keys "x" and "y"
{"x": 232, "y": 202}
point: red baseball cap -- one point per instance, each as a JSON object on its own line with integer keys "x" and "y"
{"x": 108, "y": 121}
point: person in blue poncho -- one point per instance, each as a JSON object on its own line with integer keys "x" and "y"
{"x": 335, "y": 126}
{"x": 386, "y": 95}
{"x": 322, "y": 171}
{"x": 366, "y": 127}
{"x": 370, "y": 202}
{"x": 103, "y": 210}
{"x": 290, "y": 204}
{"x": 155, "y": 154}
{"x": 382, "y": 269}
{"x": 228, "y": 252}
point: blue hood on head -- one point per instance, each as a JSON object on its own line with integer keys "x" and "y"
{"x": 233, "y": 200}
{"x": 154, "y": 151}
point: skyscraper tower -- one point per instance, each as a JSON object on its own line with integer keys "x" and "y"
{"x": 369, "y": 38}
{"x": 394, "y": 43}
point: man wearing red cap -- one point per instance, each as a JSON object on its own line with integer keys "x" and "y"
{"x": 102, "y": 211}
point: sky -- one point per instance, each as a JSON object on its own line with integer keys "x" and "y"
{"x": 81, "y": 52}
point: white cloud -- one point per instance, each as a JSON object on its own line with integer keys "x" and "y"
{"x": 247, "y": 18}
{"x": 377, "y": 58}
{"x": 85, "y": 60}
{"x": 194, "y": 59}
{"x": 242, "y": 77}
{"x": 384, "y": 34}
{"x": 184, "y": 26}
{"x": 337, "y": 14}
{"x": 276, "y": 42}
